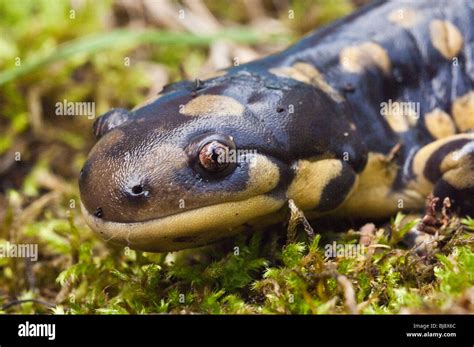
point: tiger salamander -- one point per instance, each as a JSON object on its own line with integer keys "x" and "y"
{"x": 361, "y": 119}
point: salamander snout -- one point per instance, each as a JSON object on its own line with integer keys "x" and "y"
{"x": 117, "y": 190}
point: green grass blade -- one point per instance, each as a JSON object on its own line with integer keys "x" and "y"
{"x": 128, "y": 39}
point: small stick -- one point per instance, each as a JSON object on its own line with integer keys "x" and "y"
{"x": 297, "y": 217}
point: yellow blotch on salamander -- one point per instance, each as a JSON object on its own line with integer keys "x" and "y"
{"x": 422, "y": 157}
{"x": 358, "y": 58}
{"x": 213, "y": 105}
{"x": 400, "y": 116}
{"x": 463, "y": 112}
{"x": 264, "y": 175}
{"x": 405, "y": 17}
{"x": 307, "y": 73}
{"x": 310, "y": 180}
{"x": 439, "y": 124}
{"x": 457, "y": 168}
{"x": 374, "y": 186}
{"x": 446, "y": 38}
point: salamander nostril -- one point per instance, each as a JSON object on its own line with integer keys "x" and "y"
{"x": 139, "y": 190}
{"x": 98, "y": 212}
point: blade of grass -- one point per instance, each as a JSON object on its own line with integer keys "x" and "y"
{"x": 127, "y": 39}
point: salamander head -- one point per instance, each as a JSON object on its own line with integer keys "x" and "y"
{"x": 180, "y": 172}
{"x": 193, "y": 167}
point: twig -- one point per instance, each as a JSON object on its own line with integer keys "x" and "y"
{"x": 296, "y": 218}
{"x": 349, "y": 294}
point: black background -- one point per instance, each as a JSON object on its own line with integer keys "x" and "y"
{"x": 172, "y": 330}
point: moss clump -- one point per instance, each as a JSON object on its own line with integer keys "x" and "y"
{"x": 253, "y": 273}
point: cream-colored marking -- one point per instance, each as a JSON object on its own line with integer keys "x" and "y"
{"x": 373, "y": 196}
{"x": 213, "y": 105}
{"x": 358, "y": 58}
{"x": 310, "y": 180}
{"x": 463, "y": 112}
{"x": 421, "y": 183}
{"x": 399, "y": 117}
{"x": 264, "y": 175}
{"x": 212, "y": 74}
{"x": 307, "y": 73}
{"x": 405, "y": 17}
{"x": 460, "y": 178}
{"x": 290, "y": 72}
{"x": 439, "y": 124}
{"x": 208, "y": 223}
{"x": 446, "y": 38}
{"x": 457, "y": 167}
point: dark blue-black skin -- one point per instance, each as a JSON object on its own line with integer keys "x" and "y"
{"x": 287, "y": 120}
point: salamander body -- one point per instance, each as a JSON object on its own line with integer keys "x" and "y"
{"x": 360, "y": 119}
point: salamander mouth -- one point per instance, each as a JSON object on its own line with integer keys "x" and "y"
{"x": 187, "y": 229}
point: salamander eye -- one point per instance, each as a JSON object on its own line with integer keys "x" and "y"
{"x": 213, "y": 156}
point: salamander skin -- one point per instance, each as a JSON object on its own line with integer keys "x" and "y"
{"x": 360, "y": 119}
